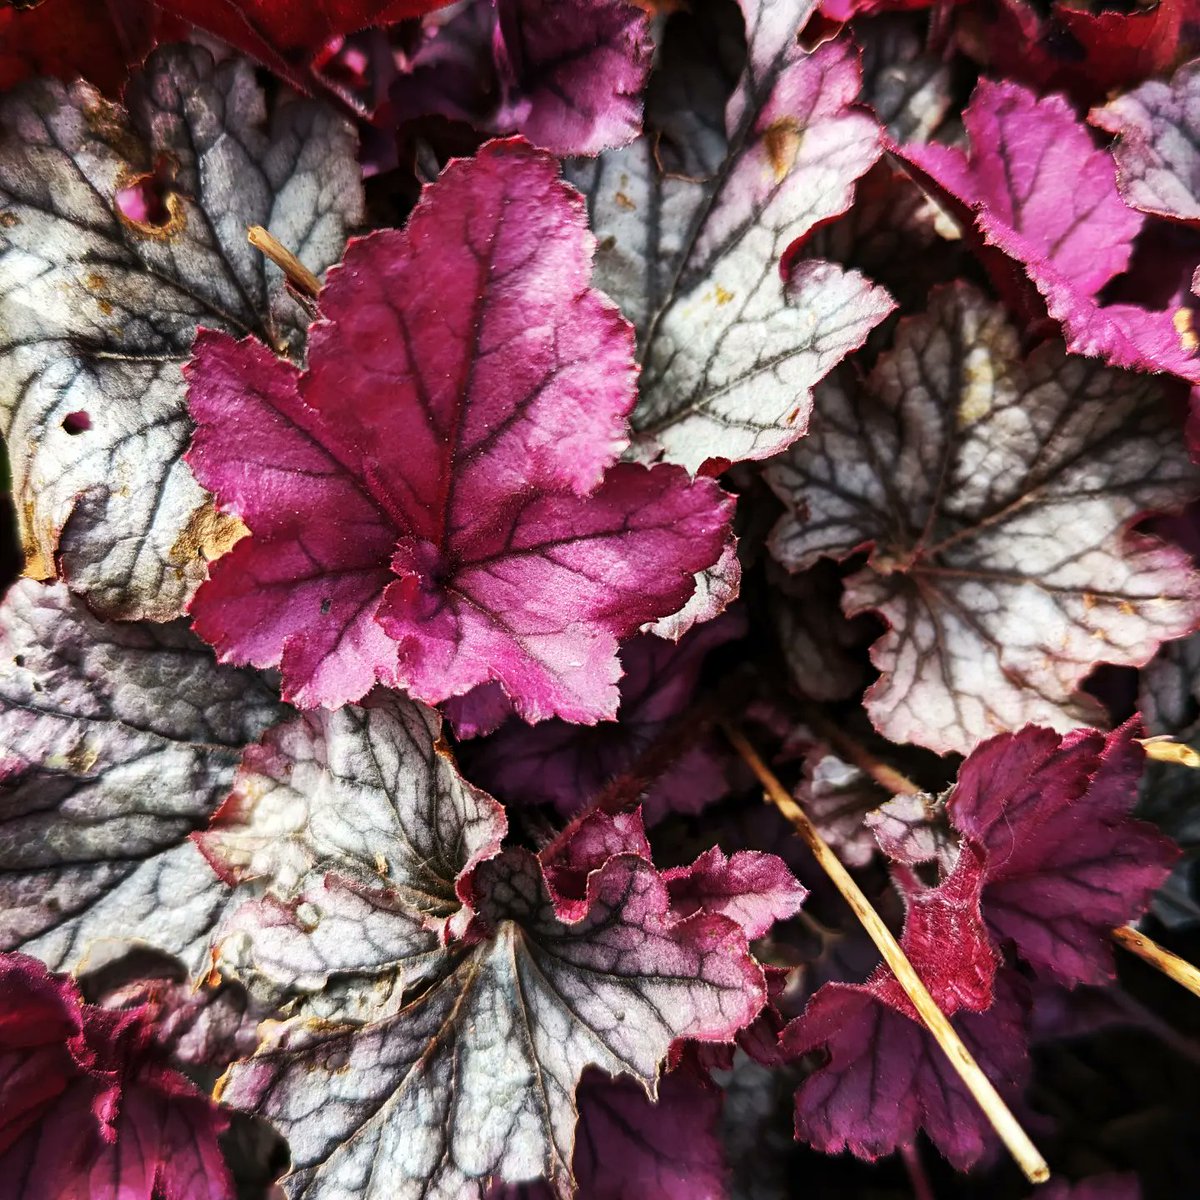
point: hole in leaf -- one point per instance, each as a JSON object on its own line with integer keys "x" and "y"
{"x": 148, "y": 204}
{"x": 77, "y": 422}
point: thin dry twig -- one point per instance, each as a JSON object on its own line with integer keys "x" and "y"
{"x": 298, "y": 275}
{"x": 1171, "y": 965}
{"x": 989, "y": 1100}
{"x": 1160, "y": 749}
{"x": 1166, "y": 749}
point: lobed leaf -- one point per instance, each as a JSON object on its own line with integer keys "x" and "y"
{"x": 729, "y": 349}
{"x": 995, "y": 495}
{"x": 121, "y": 232}
{"x": 116, "y": 743}
{"x": 431, "y": 503}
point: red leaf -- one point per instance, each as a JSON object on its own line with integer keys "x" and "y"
{"x": 432, "y": 503}
{"x": 88, "y": 1111}
{"x": 1065, "y": 862}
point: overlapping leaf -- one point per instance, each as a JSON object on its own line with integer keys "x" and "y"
{"x": 99, "y": 303}
{"x": 729, "y": 349}
{"x": 116, "y": 742}
{"x": 101, "y": 41}
{"x": 569, "y": 76}
{"x": 566, "y": 766}
{"x": 995, "y": 496}
{"x": 1158, "y": 163}
{"x": 1065, "y": 862}
{"x": 90, "y": 1110}
{"x": 886, "y": 1077}
{"x": 1039, "y": 200}
{"x": 431, "y": 503}
{"x": 428, "y": 1063}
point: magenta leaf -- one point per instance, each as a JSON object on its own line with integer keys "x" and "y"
{"x": 629, "y": 1147}
{"x": 1158, "y": 163}
{"x": 1040, "y": 201}
{"x": 565, "y": 766}
{"x": 1039, "y": 187}
{"x": 89, "y": 1110}
{"x": 572, "y": 73}
{"x": 116, "y": 742}
{"x": 995, "y": 494}
{"x": 360, "y": 848}
{"x": 1065, "y": 862}
{"x": 492, "y": 540}
{"x": 99, "y": 302}
{"x": 730, "y": 349}
{"x": 885, "y": 1077}
{"x": 749, "y": 887}
{"x": 568, "y": 76}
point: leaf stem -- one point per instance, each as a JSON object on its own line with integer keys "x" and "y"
{"x": 1171, "y": 965}
{"x": 911, "y": 1156}
{"x": 989, "y": 1100}
{"x": 298, "y": 275}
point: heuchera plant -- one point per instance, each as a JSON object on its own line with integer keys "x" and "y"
{"x": 457, "y": 456}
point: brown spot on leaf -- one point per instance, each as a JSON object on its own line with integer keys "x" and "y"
{"x": 36, "y": 545}
{"x": 1126, "y": 609}
{"x": 623, "y": 201}
{"x": 8, "y": 219}
{"x": 1184, "y": 327}
{"x": 207, "y": 535}
{"x": 782, "y": 142}
{"x": 791, "y": 418}
{"x": 723, "y": 296}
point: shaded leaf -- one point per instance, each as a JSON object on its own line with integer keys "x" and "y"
{"x": 464, "y": 399}
{"x": 98, "y": 307}
{"x": 885, "y": 1077}
{"x": 116, "y": 742}
{"x": 1065, "y": 862}
{"x": 729, "y": 349}
{"x": 566, "y": 766}
{"x": 474, "y": 1076}
{"x": 995, "y": 495}
{"x": 568, "y": 76}
{"x": 90, "y": 1111}
{"x": 628, "y": 1147}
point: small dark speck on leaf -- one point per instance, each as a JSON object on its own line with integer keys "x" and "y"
{"x": 77, "y": 422}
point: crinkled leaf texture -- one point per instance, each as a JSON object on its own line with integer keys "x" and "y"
{"x": 729, "y": 349}
{"x": 1040, "y": 204}
{"x": 568, "y": 76}
{"x": 566, "y": 766}
{"x": 1065, "y": 862}
{"x": 995, "y": 495}
{"x": 437, "y": 1045}
{"x": 116, "y": 742}
{"x": 89, "y": 1111}
{"x": 1157, "y": 152}
{"x": 432, "y": 503}
{"x": 885, "y": 1077}
{"x": 100, "y": 297}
